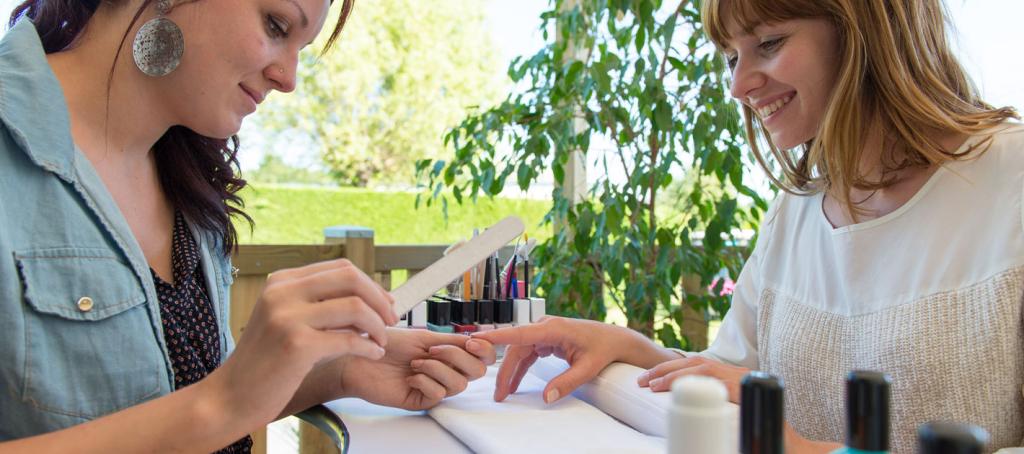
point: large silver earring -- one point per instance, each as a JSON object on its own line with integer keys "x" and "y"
{"x": 159, "y": 44}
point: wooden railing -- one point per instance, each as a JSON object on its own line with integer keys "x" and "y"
{"x": 254, "y": 262}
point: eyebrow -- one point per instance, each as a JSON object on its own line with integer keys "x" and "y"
{"x": 305, "y": 20}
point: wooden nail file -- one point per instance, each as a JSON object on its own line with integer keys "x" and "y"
{"x": 450, "y": 267}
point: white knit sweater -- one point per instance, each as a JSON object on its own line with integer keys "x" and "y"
{"x": 930, "y": 293}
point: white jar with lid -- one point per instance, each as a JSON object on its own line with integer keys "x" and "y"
{"x": 700, "y": 420}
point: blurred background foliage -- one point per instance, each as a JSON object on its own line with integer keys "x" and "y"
{"x": 403, "y": 72}
{"x": 633, "y": 88}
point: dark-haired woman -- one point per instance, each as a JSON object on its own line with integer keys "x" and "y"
{"x": 117, "y": 184}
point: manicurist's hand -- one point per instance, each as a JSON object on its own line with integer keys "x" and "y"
{"x": 587, "y": 346}
{"x": 419, "y": 369}
{"x": 304, "y": 317}
{"x": 660, "y": 377}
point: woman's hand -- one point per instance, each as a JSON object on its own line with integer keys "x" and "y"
{"x": 660, "y": 377}
{"x": 587, "y": 346}
{"x": 419, "y": 370}
{"x": 304, "y": 317}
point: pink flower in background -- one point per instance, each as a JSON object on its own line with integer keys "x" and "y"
{"x": 727, "y": 287}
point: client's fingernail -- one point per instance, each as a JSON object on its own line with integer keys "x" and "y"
{"x": 552, "y": 396}
{"x": 655, "y": 382}
{"x": 643, "y": 377}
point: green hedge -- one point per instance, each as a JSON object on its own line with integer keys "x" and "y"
{"x": 297, "y": 215}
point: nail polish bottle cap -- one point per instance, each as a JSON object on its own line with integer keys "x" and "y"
{"x": 503, "y": 311}
{"x": 951, "y": 438}
{"x": 761, "y": 414}
{"x": 485, "y": 311}
{"x": 867, "y": 410}
{"x": 463, "y": 312}
{"x": 441, "y": 313}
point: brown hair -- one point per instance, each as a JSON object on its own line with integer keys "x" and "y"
{"x": 199, "y": 174}
{"x": 897, "y": 69}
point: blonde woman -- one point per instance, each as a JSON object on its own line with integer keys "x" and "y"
{"x": 897, "y": 244}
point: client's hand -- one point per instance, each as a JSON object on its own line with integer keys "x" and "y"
{"x": 660, "y": 377}
{"x": 418, "y": 369}
{"x": 587, "y": 346}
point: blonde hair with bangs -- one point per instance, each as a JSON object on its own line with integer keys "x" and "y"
{"x": 898, "y": 70}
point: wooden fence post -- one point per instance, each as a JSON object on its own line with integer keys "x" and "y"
{"x": 358, "y": 242}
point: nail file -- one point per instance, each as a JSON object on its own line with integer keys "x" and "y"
{"x": 450, "y": 267}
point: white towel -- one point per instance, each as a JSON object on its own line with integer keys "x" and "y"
{"x": 524, "y": 423}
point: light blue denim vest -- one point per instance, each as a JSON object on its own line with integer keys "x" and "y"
{"x": 62, "y": 239}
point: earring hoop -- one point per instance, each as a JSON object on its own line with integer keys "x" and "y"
{"x": 158, "y": 44}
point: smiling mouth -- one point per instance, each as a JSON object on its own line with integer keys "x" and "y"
{"x": 770, "y": 109}
{"x": 251, "y": 95}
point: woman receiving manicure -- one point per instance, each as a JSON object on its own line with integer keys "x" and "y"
{"x": 897, "y": 243}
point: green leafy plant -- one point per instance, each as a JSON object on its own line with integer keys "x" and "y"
{"x": 635, "y": 88}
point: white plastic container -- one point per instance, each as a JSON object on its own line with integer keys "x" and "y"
{"x": 700, "y": 419}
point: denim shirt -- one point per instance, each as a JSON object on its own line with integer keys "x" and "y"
{"x": 80, "y": 330}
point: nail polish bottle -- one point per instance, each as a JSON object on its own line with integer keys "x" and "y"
{"x": 537, "y": 309}
{"x": 463, "y": 315}
{"x": 485, "y": 315}
{"x": 504, "y": 313}
{"x": 867, "y": 413}
{"x": 950, "y": 438}
{"x": 439, "y": 316}
{"x": 698, "y": 420}
{"x": 761, "y": 414}
{"x": 521, "y": 311}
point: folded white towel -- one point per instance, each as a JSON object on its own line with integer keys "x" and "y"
{"x": 524, "y": 423}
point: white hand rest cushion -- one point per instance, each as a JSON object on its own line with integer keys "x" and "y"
{"x": 616, "y": 393}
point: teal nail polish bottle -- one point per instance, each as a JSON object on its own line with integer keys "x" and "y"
{"x": 867, "y": 413}
{"x": 439, "y": 316}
